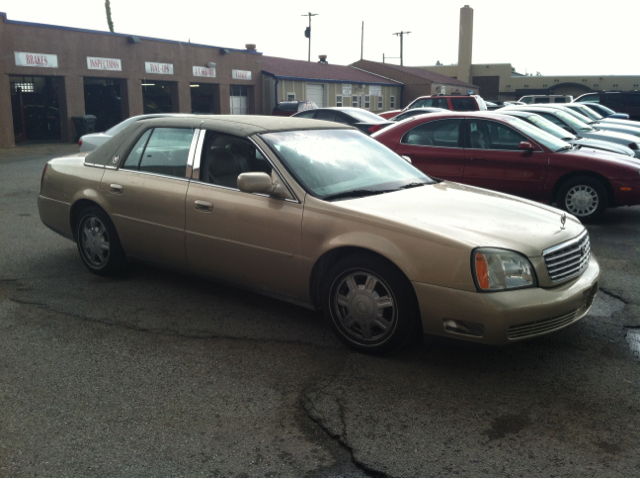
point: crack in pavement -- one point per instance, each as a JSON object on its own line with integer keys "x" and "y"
{"x": 341, "y": 437}
{"x": 160, "y": 331}
{"x": 617, "y": 296}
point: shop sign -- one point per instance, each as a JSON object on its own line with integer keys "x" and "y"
{"x": 158, "y": 68}
{"x": 346, "y": 89}
{"x": 42, "y": 60}
{"x": 240, "y": 75}
{"x": 204, "y": 72}
{"x": 375, "y": 90}
{"x": 110, "y": 64}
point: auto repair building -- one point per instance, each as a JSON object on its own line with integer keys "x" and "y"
{"x": 50, "y": 74}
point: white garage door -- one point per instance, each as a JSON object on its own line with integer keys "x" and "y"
{"x": 315, "y": 93}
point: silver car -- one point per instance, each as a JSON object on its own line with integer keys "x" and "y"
{"x": 561, "y": 133}
{"x": 582, "y": 130}
{"x": 585, "y": 115}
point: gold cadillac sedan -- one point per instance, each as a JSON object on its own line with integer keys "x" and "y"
{"x": 319, "y": 214}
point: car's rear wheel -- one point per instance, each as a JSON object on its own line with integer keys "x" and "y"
{"x": 370, "y": 304}
{"x": 98, "y": 242}
{"x": 584, "y": 197}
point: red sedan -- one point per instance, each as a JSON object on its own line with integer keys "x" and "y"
{"x": 505, "y": 154}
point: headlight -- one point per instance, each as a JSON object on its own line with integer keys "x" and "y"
{"x": 499, "y": 269}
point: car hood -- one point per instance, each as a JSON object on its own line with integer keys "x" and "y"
{"x": 453, "y": 213}
{"x": 628, "y": 130}
{"x": 601, "y": 155}
{"x": 603, "y": 145}
{"x": 609, "y": 135}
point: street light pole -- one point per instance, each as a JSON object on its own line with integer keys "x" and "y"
{"x": 308, "y": 32}
{"x": 401, "y": 34}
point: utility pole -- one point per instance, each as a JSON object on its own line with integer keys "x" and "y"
{"x": 362, "y": 42}
{"x": 307, "y": 32}
{"x": 401, "y": 34}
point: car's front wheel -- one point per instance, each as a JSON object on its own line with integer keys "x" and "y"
{"x": 98, "y": 242}
{"x": 370, "y": 304}
{"x": 584, "y": 197}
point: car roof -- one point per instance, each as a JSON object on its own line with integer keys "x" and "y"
{"x": 238, "y": 125}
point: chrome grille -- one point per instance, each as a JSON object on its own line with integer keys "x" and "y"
{"x": 569, "y": 259}
{"x": 543, "y": 326}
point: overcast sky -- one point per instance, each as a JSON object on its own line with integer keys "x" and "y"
{"x": 551, "y": 37}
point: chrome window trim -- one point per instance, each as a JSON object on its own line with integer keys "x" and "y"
{"x": 195, "y": 172}
{"x": 192, "y": 152}
{"x": 94, "y": 165}
{"x": 198, "y": 156}
{"x": 149, "y": 173}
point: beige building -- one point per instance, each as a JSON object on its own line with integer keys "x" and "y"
{"x": 326, "y": 85}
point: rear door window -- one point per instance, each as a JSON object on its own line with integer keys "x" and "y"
{"x": 441, "y": 133}
{"x": 166, "y": 152}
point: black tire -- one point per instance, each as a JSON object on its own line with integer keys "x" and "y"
{"x": 98, "y": 242}
{"x": 370, "y": 304}
{"x": 584, "y": 197}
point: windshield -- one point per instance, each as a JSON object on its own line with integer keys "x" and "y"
{"x": 572, "y": 121}
{"x": 538, "y": 135}
{"x": 550, "y": 127}
{"x": 588, "y": 112}
{"x": 578, "y": 116}
{"x": 602, "y": 108}
{"x": 335, "y": 162}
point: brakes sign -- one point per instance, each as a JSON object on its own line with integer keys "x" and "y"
{"x": 42, "y": 60}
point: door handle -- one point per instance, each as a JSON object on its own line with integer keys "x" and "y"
{"x": 203, "y": 206}
{"x": 116, "y": 189}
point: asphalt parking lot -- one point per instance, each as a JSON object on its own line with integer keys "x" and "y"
{"x": 160, "y": 374}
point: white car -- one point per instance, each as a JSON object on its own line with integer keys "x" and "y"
{"x": 91, "y": 141}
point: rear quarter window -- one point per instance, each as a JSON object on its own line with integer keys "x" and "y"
{"x": 464, "y": 104}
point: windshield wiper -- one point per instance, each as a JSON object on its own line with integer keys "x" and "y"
{"x": 411, "y": 185}
{"x": 356, "y": 194}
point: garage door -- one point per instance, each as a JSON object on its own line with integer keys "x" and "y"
{"x": 315, "y": 93}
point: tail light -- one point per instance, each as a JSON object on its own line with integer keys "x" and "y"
{"x": 80, "y": 142}
{"x": 44, "y": 170}
{"x": 374, "y": 128}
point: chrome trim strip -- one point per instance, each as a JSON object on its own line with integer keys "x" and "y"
{"x": 93, "y": 165}
{"x": 266, "y": 250}
{"x": 149, "y": 223}
{"x": 109, "y": 167}
{"x": 54, "y": 200}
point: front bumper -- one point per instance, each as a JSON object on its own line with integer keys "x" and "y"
{"x": 508, "y": 316}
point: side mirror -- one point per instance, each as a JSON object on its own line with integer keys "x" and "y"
{"x": 525, "y": 145}
{"x": 261, "y": 183}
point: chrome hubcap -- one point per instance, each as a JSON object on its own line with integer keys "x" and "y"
{"x": 582, "y": 200}
{"x": 95, "y": 242}
{"x": 364, "y": 306}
